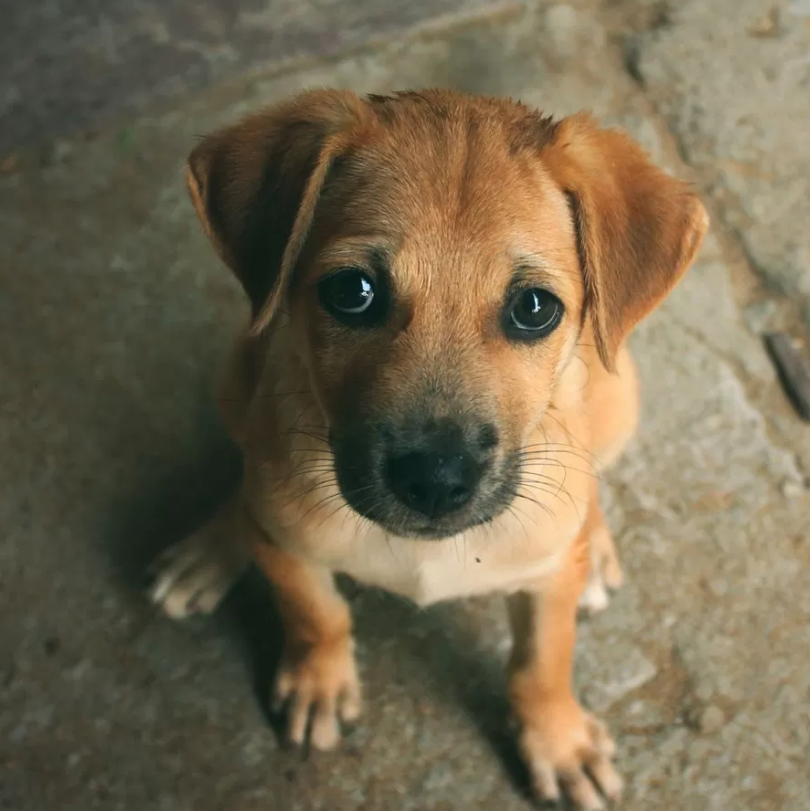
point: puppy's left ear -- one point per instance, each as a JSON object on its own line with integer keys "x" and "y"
{"x": 638, "y": 229}
{"x": 255, "y": 186}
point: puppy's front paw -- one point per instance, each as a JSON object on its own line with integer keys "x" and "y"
{"x": 193, "y": 576}
{"x": 566, "y": 748}
{"x": 605, "y": 573}
{"x": 320, "y": 687}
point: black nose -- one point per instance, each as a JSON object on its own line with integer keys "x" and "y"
{"x": 433, "y": 484}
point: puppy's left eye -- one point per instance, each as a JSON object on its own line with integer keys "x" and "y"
{"x": 350, "y": 295}
{"x": 533, "y": 313}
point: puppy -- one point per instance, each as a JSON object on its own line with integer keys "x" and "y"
{"x": 441, "y": 287}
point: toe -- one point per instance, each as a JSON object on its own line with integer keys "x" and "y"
{"x": 298, "y": 717}
{"x": 325, "y": 733}
{"x": 177, "y": 573}
{"x": 613, "y": 574}
{"x": 165, "y": 579}
{"x": 283, "y": 690}
{"x": 603, "y": 743}
{"x": 544, "y": 781}
{"x": 183, "y": 596}
{"x": 595, "y": 597}
{"x": 598, "y": 762}
{"x": 177, "y": 602}
{"x": 606, "y": 777}
{"x": 581, "y": 790}
{"x": 210, "y": 593}
{"x": 350, "y": 703}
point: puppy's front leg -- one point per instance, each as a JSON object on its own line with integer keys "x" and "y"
{"x": 561, "y": 744}
{"x": 317, "y": 679}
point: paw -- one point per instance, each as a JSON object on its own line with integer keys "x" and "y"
{"x": 568, "y": 750}
{"x": 605, "y": 573}
{"x": 319, "y": 688}
{"x": 193, "y": 577}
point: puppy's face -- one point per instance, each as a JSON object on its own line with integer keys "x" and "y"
{"x": 437, "y": 300}
{"x": 439, "y": 259}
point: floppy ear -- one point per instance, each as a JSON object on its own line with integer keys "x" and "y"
{"x": 255, "y": 186}
{"x": 638, "y": 229}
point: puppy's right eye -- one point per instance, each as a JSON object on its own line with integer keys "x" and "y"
{"x": 350, "y": 295}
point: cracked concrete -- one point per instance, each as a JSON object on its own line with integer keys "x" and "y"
{"x": 69, "y": 65}
{"x": 751, "y": 150}
{"x": 114, "y": 314}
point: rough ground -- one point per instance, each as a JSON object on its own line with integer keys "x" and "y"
{"x": 114, "y": 313}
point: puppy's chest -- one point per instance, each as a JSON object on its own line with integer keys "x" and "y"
{"x": 476, "y": 562}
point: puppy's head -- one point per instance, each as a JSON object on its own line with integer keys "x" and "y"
{"x": 437, "y": 258}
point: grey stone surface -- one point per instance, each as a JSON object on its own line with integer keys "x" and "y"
{"x": 113, "y": 316}
{"x": 732, "y": 79}
{"x": 67, "y": 65}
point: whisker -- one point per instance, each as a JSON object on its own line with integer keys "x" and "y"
{"x": 526, "y": 467}
{"x": 300, "y": 432}
{"x": 567, "y": 431}
{"x": 543, "y": 487}
{"x": 320, "y": 503}
{"x": 546, "y": 509}
{"x": 346, "y": 504}
{"x": 552, "y": 451}
{"x": 300, "y": 495}
{"x": 516, "y": 513}
{"x": 311, "y": 471}
{"x": 556, "y": 494}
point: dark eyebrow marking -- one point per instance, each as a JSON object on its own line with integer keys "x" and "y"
{"x": 379, "y": 260}
{"x": 531, "y": 274}
{"x": 368, "y": 251}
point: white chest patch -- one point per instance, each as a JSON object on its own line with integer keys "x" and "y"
{"x": 428, "y": 571}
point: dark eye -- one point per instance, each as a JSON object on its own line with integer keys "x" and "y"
{"x": 351, "y": 296}
{"x": 533, "y": 314}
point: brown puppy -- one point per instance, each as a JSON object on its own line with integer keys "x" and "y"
{"x": 435, "y": 369}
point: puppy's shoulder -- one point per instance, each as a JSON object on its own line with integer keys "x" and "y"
{"x": 611, "y": 404}
{"x": 240, "y": 381}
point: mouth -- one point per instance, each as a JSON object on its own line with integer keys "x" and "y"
{"x": 437, "y": 532}
{"x": 405, "y": 526}
{"x": 368, "y": 493}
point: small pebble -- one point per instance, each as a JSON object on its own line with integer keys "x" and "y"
{"x": 712, "y": 719}
{"x": 791, "y": 489}
{"x": 767, "y": 25}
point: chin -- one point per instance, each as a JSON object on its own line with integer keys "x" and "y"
{"x": 403, "y": 524}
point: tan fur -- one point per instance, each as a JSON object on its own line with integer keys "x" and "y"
{"x": 456, "y": 191}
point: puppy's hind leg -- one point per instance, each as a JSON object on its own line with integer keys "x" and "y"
{"x": 194, "y": 575}
{"x": 614, "y": 417}
{"x": 605, "y": 574}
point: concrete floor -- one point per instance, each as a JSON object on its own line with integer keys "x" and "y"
{"x": 114, "y": 314}
{"x": 67, "y": 65}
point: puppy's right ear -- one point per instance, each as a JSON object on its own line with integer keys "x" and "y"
{"x": 255, "y": 186}
{"x": 638, "y": 229}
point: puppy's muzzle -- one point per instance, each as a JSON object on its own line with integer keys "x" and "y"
{"x": 424, "y": 476}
